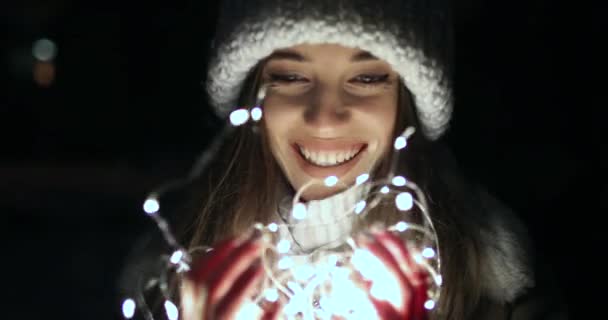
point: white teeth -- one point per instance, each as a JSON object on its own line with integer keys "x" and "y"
{"x": 328, "y": 158}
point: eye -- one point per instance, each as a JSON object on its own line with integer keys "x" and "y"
{"x": 286, "y": 78}
{"x": 370, "y": 78}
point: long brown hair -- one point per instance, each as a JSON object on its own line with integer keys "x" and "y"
{"x": 243, "y": 182}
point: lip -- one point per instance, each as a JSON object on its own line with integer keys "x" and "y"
{"x": 323, "y": 172}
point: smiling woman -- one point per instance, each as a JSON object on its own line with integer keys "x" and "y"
{"x": 329, "y": 110}
{"x": 338, "y": 83}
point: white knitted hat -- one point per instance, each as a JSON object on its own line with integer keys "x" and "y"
{"x": 413, "y": 36}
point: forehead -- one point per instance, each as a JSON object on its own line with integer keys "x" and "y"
{"x": 314, "y": 52}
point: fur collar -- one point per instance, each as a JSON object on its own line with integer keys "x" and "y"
{"x": 506, "y": 266}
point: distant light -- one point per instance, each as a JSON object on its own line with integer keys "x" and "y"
{"x": 400, "y": 143}
{"x": 239, "y": 117}
{"x": 299, "y": 211}
{"x": 176, "y": 257}
{"x": 44, "y": 50}
{"x": 43, "y": 73}
{"x": 128, "y": 308}
{"x": 428, "y": 253}
{"x": 418, "y": 258}
{"x": 256, "y": 114}
{"x": 273, "y": 227}
{"x": 404, "y": 201}
{"x": 429, "y": 304}
{"x": 385, "y": 190}
{"x": 399, "y": 181}
{"x": 285, "y": 263}
{"x": 362, "y": 178}
{"x": 151, "y": 206}
{"x": 401, "y": 226}
{"x": 439, "y": 280}
{"x": 271, "y": 294}
{"x": 331, "y": 181}
{"x": 283, "y": 246}
{"x": 360, "y": 206}
{"x": 171, "y": 309}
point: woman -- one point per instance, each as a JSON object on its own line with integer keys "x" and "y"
{"x": 338, "y": 82}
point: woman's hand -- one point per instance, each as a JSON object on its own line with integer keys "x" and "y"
{"x": 397, "y": 285}
{"x": 221, "y": 282}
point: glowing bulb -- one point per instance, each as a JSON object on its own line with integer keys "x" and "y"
{"x": 176, "y": 257}
{"x": 331, "y": 181}
{"x": 256, "y": 114}
{"x": 285, "y": 263}
{"x": 360, "y": 206}
{"x": 428, "y": 253}
{"x": 128, "y": 308}
{"x": 303, "y": 272}
{"x": 171, "y": 309}
{"x": 273, "y": 227}
{"x": 332, "y": 260}
{"x": 239, "y": 117}
{"x": 283, "y": 246}
{"x": 299, "y": 211}
{"x": 362, "y": 178}
{"x": 151, "y": 206}
{"x": 44, "y": 50}
{"x": 417, "y": 258}
{"x": 439, "y": 280}
{"x": 400, "y": 143}
{"x": 271, "y": 294}
{"x": 401, "y": 226}
{"x": 404, "y": 201}
{"x": 429, "y": 304}
{"x": 399, "y": 181}
{"x": 385, "y": 190}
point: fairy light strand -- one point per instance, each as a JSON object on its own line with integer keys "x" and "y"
{"x": 298, "y": 282}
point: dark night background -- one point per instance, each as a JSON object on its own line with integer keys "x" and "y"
{"x": 125, "y": 111}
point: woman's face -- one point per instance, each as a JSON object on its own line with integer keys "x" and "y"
{"x": 329, "y": 110}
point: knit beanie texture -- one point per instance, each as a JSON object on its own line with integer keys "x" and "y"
{"x": 413, "y": 36}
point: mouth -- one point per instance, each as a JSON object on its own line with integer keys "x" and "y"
{"x": 329, "y": 158}
{"x": 322, "y": 160}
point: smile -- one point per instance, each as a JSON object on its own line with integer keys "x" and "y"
{"x": 329, "y": 158}
{"x": 321, "y": 159}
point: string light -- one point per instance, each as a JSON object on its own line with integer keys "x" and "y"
{"x": 404, "y": 201}
{"x": 360, "y": 206}
{"x": 256, "y": 114}
{"x": 325, "y": 277}
{"x": 283, "y": 246}
{"x": 176, "y": 257}
{"x": 401, "y": 226}
{"x": 239, "y": 117}
{"x": 399, "y": 181}
{"x": 362, "y": 178}
{"x": 400, "y": 143}
{"x": 271, "y": 294}
{"x": 273, "y": 227}
{"x": 128, "y": 308}
{"x": 299, "y": 211}
{"x": 331, "y": 181}
{"x": 151, "y": 206}
{"x": 428, "y": 253}
{"x": 171, "y": 309}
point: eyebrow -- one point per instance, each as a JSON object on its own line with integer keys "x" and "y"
{"x": 295, "y": 56}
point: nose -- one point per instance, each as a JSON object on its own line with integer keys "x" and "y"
{"x": 326, "y": 111}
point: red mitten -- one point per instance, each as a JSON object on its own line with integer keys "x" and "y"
{"x": 397, "y": 284}
{"x": 220, "y": 283}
